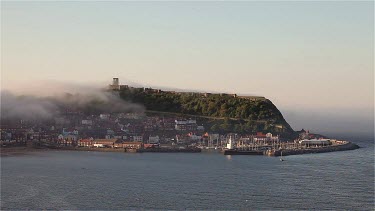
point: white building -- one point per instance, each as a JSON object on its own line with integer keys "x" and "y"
{"x": 138, "y": 138}
{"x": 270, "y": 137}
{"x": 98, "y": 145}
{"x": 104, "y": 116}
{"x": 315, "y": 142}
{"x": 87, "y": 122}
{"x": 200, "y": 127}
{"x": 183, "y": 125}
{"x": 153, "y": 139}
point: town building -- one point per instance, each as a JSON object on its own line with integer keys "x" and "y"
{"x": 132, "y": 145}
{"x": 183, "y": 125}
{"x": 85, "y": 143}
{"x": 153, "y": 140}
{"x": 86, "y": 122}
{"x": 138, "y": 138}
{"x": 265, "y": 138}
{"x": 104, "y": 116}
{"x": 104, "y": 142}
{"x": 315, "y": 142}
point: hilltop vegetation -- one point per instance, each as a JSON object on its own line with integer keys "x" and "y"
{"x": 237, "y": 114}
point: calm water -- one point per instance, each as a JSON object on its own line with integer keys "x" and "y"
{"x": 95, "y": 180}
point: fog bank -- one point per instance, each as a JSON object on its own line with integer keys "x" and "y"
{"x": 333, "y": 122}
{"x": 44, "y": 100}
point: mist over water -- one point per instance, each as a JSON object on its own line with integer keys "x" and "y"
{"x": 335, "y": 122}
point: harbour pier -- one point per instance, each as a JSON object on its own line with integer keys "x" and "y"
{"x": 291, "y": 148}
{"x": 297, "y": 151}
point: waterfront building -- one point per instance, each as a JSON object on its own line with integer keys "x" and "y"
{"x": 132, "y": 145}
{"x": 194, "y": 137}
{"x": 85, "y": 143}
{"x": 315, "y": 142}
{"x": 104, "y": 142}
{"x": 147, "y": 146}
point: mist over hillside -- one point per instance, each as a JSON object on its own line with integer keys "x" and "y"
{"x": 48, "y": 100}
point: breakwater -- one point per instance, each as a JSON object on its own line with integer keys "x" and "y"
{"x": 337, "y": 146}
{"x": 170, "y": 150}
{"x": 243, "y": 152}
{"x": 332, "y": 148}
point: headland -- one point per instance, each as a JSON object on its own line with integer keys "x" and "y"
{"x": 169, "y": 121}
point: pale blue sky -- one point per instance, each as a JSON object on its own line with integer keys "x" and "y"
{"x": 304, "y": 56}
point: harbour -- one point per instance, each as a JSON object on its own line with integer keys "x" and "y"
{"x": 266, "y": 150}
{"x": 73, "y": 180}
{"x": 297, "y": 147}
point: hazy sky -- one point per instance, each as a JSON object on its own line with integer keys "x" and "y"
{"x": 314, "y": 60}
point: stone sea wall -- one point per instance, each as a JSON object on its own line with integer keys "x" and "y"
{"x": 332, "y": 148}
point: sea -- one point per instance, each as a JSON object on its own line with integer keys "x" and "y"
{"x": 76, "y": 180}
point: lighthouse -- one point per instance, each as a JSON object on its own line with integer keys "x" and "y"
{"x": 230, "y": 143}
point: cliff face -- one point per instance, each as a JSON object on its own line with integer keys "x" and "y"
{"x": 243, "y": 114}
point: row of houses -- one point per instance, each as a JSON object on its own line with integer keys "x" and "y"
{"x": 114, "y": 143}
{"x": 101, "y": 143}
{"x": 131, "y": 123}
{"x": 109, "y": 143}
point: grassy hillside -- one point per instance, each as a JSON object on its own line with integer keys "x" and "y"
{"x": 232, "y": 113}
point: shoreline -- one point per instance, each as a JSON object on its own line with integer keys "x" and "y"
{"x": 20, "y": 150}
{"x": 24, "y": 150}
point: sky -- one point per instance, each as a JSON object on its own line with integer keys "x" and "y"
{"x": 313, "y": 60}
